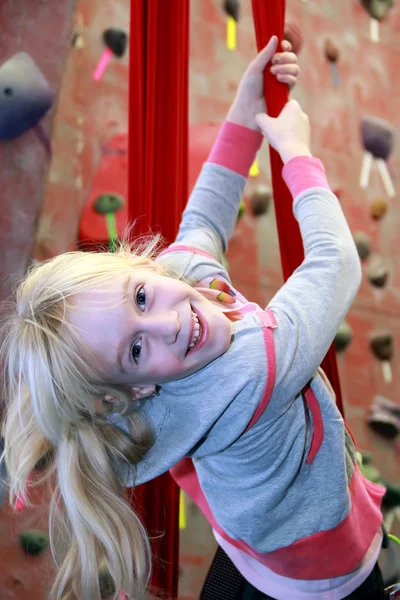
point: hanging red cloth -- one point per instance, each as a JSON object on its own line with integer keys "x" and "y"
{"x": 158, "y": 186}
{"x": 269, "y": 19}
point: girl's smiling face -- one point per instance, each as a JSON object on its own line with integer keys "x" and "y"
{"x": 149, "y": 328}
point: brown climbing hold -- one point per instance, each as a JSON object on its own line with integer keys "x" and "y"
{"x": 378, "y": 272}
{"x": 293, "y": 35}
{"x": 260, "y": 200}
{"x": 382, "y": 345}
{"x": 378, "y": 208}
{"x": 331, "y": 51}
{"x": 363, "y": 244}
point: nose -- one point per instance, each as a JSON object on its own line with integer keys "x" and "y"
{"x": 164, "y": 325}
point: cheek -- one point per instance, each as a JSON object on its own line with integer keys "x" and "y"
{"x": 164, "y": 365}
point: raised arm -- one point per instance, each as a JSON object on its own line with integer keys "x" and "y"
{"x": 211, "y": 213}
{"x": 311, "y": 305}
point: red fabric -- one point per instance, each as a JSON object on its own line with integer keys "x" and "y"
{"x": 269, "y": 19}
{"x": 318, "y": 423}
{"x": 269, "y": 322}
{"x": 157, "y": 184}
{"x": 158, "y": 117}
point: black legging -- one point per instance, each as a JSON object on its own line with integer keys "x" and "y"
{"x": 224, "y": 582}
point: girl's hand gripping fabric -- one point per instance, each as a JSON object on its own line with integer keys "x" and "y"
{"x": 249, "y": 100}
{"x": 289, "y": 133}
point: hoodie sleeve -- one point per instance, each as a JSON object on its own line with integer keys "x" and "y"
{"x": 314, "y": 301}
{"x": 211, "y": 213}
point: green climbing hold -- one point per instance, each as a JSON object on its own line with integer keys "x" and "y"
{"x": 108, "y": 203}
{"x": 242, "y": 210}
{"x": 106, "y": 584}
{"x": 371, "y": 473}
{"x": 33, "y": 542}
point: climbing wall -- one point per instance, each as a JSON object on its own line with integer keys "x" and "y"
{"x": 41, "y": 30}
{"x": 24, "y": 160}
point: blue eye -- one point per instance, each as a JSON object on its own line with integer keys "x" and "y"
{"x": 136, "y": 350}
{"x": 141, "y": 298}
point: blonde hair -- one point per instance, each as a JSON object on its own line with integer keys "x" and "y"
{"x": 50, "y": 388}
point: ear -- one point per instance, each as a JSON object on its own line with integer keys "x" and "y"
{"x": 136, "y": 392}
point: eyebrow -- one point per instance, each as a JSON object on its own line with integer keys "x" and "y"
{"x": 125, "y": 290}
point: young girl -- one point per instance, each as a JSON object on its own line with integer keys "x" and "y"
{"x": 120, "y": 366}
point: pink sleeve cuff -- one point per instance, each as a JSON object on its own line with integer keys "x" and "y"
{"x": 304, "y": 172}
{"x": 236, "y": 148}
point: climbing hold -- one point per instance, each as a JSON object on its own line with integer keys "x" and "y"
{"x": 260, "y": 200}
{"x": 108, "y": 203}
{"x": 371, "y": 473}
{"x": 293, "y": 35}
{"x": 25, "y": 96}
{"x": 343, "y": 337}
{"x": 332, "y": 55}
{"x": 232, "y": 9}
{"x": 116, "y": 40}
{"x": 45, "y": 461}
{"x": 378, "y": 139}
{"x": 378, "y": 208}
{"x": 33, "y": 542}
{"x": 254, "y": 169}
{"x": 363, "y": 244}
{"x": 378, "y": 272}
{"x": 106, "y": 584}
{"x": 241, "y": 211}
{"x": 383, "y": 423}
{"x": 377, "y": 9}
{"x": 381, "y": 344}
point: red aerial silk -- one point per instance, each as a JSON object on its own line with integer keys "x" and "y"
{"x": 158, "y": 187}
{"x": 269, "y": 19}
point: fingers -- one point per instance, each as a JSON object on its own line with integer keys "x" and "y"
{"x": 263, "y": 57}
{"x": 284, "y": 58}
{"x": 287, "y": 73}
{"x": 286, "y": 46}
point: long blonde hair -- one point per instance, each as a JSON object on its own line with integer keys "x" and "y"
{"x": 50, "y": 388}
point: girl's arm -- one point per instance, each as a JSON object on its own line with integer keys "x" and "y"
{"x": 313, "y": 302}
{"x": 210, "y": 216}
{"x": 211, "y": 213}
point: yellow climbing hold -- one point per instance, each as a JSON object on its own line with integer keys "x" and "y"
{"x": 182, "y": 510}
{"x": 231, "y": 33}
{"x": 254, "y": 171}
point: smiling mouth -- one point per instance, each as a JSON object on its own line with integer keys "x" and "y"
{"x": 196, "y": 334}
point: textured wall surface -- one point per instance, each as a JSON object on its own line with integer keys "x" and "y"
{"x": 41, "y": 29}
{"x": 89, "y": 114}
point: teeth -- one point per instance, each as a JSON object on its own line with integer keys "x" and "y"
{"x": 196, "y": 331}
